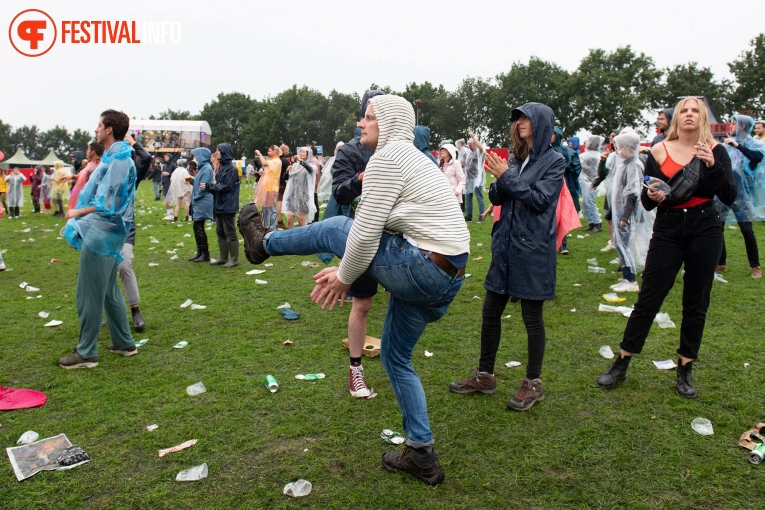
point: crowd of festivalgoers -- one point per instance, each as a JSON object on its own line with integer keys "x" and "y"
{"x": 397, "y": 216}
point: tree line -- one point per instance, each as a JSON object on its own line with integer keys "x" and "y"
{"x": 608, "y": 90}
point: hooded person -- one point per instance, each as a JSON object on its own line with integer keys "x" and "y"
{"x": 394, "y": 240}
{"x": 59, "y": 189}
{"x": 632, "y": 223}
{"x": 325, "y": 183}
{"x": 298, "y": 194}
{"x": 663, "y": 122}
{"x": 528, "y": 188}
{"x": 77, "y": 158}
{"x": 452, "y": 169}
{"x": 202, "y": 203}
{"x": 15, "y": 194}
{"x": 590, "y": 159}
{"x": 571, "y": 177}
{"x": 573, "y": 144}
{"x": 181, "y": 189}
{"x": 167, "y": 172}
{"x": 747, "y": 156}
{"x": 225, "y": 191}
{"x": 422, "y": 141}
{"x": 36, "y": 181}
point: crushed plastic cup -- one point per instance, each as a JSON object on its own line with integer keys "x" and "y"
{"x": 595, "y": 269}
{"x": 702, "y": 426}
{"x": 513, "y": 364}
{"x": 53, "y": 323}
{"x": 186, "y": 303}
{"x": 261, "y": 282}
{"x": 153, "y": 240}
{"x": 298, "y": 488}
{"x": 43, "y": 315}
{"x": 174, "y": 257}
{"x": 141, "y": 342}
{"x": 283, "y": 306}
{"x": 192, "y": 474}
{"x": 593, "y": 261}
{"x": 29, "y": 288}
{"x": 28, "y": 437}
{"x": 255, "y": 271}
{"x": 606, "y": 352}
{"x": 153, "y": 264}
{"x": 663, "y": 320}
{"x": 195, "y": 306}
{"x": 310, "y": 377}
{"x": 152, "y": 428}
{"x": 624, "y": 310}
{"x": 428, "y": 354}
{"x": 181, "y": 344}
{"x": 196, "y": 389}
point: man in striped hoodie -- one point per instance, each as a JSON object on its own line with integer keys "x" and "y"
{"x": 409, "y": 235}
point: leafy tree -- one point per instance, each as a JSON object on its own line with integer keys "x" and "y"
{"x": 56, "y": 138}
{"x": 610, "y": 90}
{"x": 170, "y": 114}
{"x": 26, "y": 139}
{"x": 690, "y": 80}
{"x": 473, "y": 100}
{"x": 80, "y": 139}
{"x": 227, "y": 114}
{"x": 749, "y": 70}
{"x": 5, "y": 139}
{"x": 538, "y": 81}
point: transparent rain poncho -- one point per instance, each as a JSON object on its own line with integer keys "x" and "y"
{"x": 750, "y": 182}
{"x": 625, "y": 187}
{"x": 590, "y": 159}
{"x": 111, "y": 190}
{"x": 15, "y": 193}
{"x": 298, "y": 195}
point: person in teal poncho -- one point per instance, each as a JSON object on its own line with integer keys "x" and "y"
{"x": 98, "y": 227}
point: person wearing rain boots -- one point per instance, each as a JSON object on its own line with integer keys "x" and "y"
{"x": 225, "y": 191}
{"x": 202, "y": 203}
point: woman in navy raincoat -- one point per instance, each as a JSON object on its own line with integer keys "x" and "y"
{"x": 523, "y": 249}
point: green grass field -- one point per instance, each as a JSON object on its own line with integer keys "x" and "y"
{"x": 582, "y": 447}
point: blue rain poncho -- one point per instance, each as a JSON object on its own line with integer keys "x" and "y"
{"x": 748, "y": 174}
{"x": 111, "y": 190}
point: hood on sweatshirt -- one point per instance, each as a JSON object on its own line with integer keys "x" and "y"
{"x": 542, "y": 121}
{"x": 395, "y": 119}
{"x": 203, "y": 156}
{"x": 226, "y": 153}
{"x": 668, "y": 113}
{"x": 574, "y": 140}
{"x": 744, "y": 126}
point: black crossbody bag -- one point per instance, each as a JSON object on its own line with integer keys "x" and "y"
{"x": 684, "y": 183}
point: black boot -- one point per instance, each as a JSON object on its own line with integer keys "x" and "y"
{"x": 597, "y": 227}
{"x": 195, "y": 257}
{"x": 616, "y": 373}
{"x": 589, "y": 227}
{"x": 138, "y": 322}
{"x": 685, "y": 387}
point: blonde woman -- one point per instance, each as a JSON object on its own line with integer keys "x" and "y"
{"x": 60, "y": 187}
{"x": 687, "y": 233}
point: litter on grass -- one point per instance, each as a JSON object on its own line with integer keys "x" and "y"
{"x": 287, "y": 342}
{"x": 174, "y": 257}
{"x": 268, "y": 265}
{"x": 309, "y": 263}
{"x": 428, "y": 354}
{"x": 195, "y": 306}
{"x": 702, "y": 426}
{"x": 606, "y": 352}
{"x": 261, "y": 282}
{"x": 255, "y": 271}
{"x": 53, "y": 323}
{"x": 624, "y": 310}
{"x": 28, "y": 437}
{"x": 390, "y": 436}
{"x": 573, "y": 310}
{"x": 192, "y": 474}
{"x": 153, "y": 264}
{"x": 177, "y": 448}
{"x": 666, "y": 364}
{"x": 298, "y": 488}
{"x": 196, "y": 389}
{"x": 44, "y": 315}
{"x": 507, "y": 316}
{"x": 290, "y": 314}
{"x": 579, "y": 236}
{"x": 479, "y": 244}
{"x": 141, "y": 342}
{"x": 513, "y": 364}
{"x": 663, "y": 320}
{"x": 186, "y": 235}
{"x": 310, "y": 377}
{"x": 719, "y": 278}
{"x": 595, "y": 269}
{"x": 283, "y": 306}
{"x": 593, "y": 261}
{"x": 186, "y": 303}
{"x": 152, "y": 428}
{"x": 477, "y": 297}
{"x": 611, "y": 297}
{"x": 153, "y": 240}
{"x": 615, "y": 261}
{"x": 180, "y": 244}
{"x": 181, "y": 344}
{"x": 50, "y": 454}
{"x": 29, "y": 288}
{"x": 478, "y": 258}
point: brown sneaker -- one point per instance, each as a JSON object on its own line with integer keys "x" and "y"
{"x": 125, "y": 352}
{"x": 756, "y": 272}
{"x": 530, "y": 393}
{"x": 74, "y": 360}
{"x": 253, "y": 232}
{"x": 421, "y": 464}
{"x": 479, "y": 382}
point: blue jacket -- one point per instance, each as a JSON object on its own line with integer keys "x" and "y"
{"x": 202, "y": 202}
{"x": 422, "y": 141}
{"x": 523, "y": 240}
{"x": 573, "y": 165}
{"x": 226, "y": 187}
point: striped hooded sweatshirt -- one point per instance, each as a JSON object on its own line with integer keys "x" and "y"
{"x": 403, "y": 193}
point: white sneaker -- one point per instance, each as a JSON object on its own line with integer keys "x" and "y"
{"x": 2, "y": 266}
{"x": 357, "y": 385}
{"x": 608, "y": 247}
{"x": 618, "y": 282}
{"x": 626, "y": 287}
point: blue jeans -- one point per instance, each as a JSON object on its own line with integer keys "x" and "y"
{"x": 156, "y": 190}
{"x": 478, "y": 192}
{"x": 269, "y": 215}
{"x": 588, "y": 203}
{"x": 420, "y": 294}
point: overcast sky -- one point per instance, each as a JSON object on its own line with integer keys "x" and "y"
{"x": 264, "y": 47}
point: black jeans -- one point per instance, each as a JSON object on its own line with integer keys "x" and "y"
{"x": 200, "y": 236}
{"x": 225, "y": 228}
{"x": 752, "y": 252}
{"x": 690, "y": 237}
{"x": 491, "y": 332}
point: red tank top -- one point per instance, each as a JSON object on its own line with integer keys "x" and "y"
{"x": 669, "y": 168}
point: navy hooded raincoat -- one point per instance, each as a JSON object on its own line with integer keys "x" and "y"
{"x": 226, "y": 187}
{"x": 523, "y": 240}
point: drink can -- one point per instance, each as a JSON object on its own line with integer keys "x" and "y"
{"x": 758, "y": 454}
{"x": 271, "y": 384}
